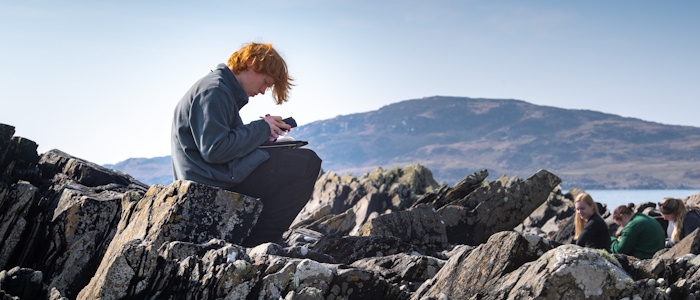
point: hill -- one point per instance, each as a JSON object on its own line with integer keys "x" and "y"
{"x": 148, "y": 170}
{"x": 456, "y": 136}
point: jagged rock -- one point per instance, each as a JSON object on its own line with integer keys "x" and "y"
{"x": 445, "y": 195}
{"x": 501, "y": 205}
{"x": 16, "y": 201}
{"x": 457, "y": 250}
{"x": 684, "y": 279}
{"x": 693, "y": 200}
{"x": 557, "y": 206}
{"x": 403, "y": 269}
{"x": 307, "y": 293}
{"x": 57, "y": 221}
{"x": 184, "y": 211}
{"x": 332, "y": 194}
{"x": 394, "y": 189}
{"x": 470, "y": 220}
{"x": 54, "y": 294}
{"x": 18, "y": 157}
{"x": 666, "y": 262}
{"x": 419, "y": 226}
{"x": 679, "y": 277}
{"x": 565, "y": 234}
{"x": 405, "y": 183}
{"x": 85, "y": 172}
{"x": 361, "y": 284}
{"x": 92, "y": 230}
{"x": 302, "y": 237}
{"x": 340, "y": 224}
{"x": 473, "y": 272}
{"x": 567, "y": 272}
{"x": 544, "y": 221}
{"x": 22, "y": 283}
{"x": 294, "y": 277}
{"x": 347, "y": 249}
{"x": 634, "y": 267}
{"x": 213, "y": 270}
{"x": 688, "y": 245}
{"x": 366, "y": 209}
{"x": 307, "y": 279}
{"x": 259, "y": 253}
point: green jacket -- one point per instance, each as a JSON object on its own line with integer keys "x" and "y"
{"x": 641, "y": 237}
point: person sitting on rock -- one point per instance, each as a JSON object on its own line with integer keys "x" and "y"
{"x": 590, "y": 229}
{"x": 641, "y": 235}
{"x": 681, "y": 220}
{"x": 211, "y": 145}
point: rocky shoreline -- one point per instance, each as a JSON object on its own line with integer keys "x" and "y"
{"x": 71, "y": 229}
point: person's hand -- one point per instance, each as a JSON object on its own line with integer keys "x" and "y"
{"x": 618, "y": 239}
{"x": 277, "y": 126}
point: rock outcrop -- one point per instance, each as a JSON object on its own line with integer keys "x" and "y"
{"x": 71, "y": 229}
{"x": 176, "y": 223}
{"x": 58, "y": 212}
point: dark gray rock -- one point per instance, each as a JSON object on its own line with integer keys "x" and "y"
{"x": 474, "y": 272}
{"x": 22, "y": 283}
{"x": 260, "y": 253}
{"x": 56, "y": 224}
{"x": 420, "y": 226}
{"x": 569, "y": 272}
{"x": 688, "y": 245}
{"x": 557, "y": 206}
{"x": 348, "y": 249}
{"x": 302, "y": 237}
{"x": 408, "y": 271}
{"x": 361, "y": 284}
{"x": 18, "y": 157}
{"x": 183, "y": 211}
{"x": 391, "y": 190}
{"x": 501, "y": 205}
{"x": 445, "y": 195}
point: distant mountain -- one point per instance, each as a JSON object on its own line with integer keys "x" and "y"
{"x": 454, "y": 137}
{"x": 157, "y": 170}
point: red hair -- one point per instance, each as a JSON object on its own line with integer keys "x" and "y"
{"x": 262, "y": 58}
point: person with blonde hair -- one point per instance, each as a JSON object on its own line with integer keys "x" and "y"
{"x": 681, "y": 220}
{"x": 590, "y": 229}
{"x": 641, "y": 235}
{"x": 210, "y": 144}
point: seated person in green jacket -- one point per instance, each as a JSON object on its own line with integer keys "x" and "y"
{"x": 590, "y": 229}
{"x": 681, "y": 220}
{"x": 641, "y": 235}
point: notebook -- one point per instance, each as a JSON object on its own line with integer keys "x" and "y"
{"x": 284, "y": 144}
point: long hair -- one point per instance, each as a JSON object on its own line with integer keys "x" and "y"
{"x": 673, "y": 206}
{"x": 578, "y": 222}
{"x": 262, "y": 58}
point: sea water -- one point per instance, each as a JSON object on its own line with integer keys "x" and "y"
{"x": 615, "y": 198}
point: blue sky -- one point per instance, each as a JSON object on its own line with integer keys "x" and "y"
{"x": 100, "y": 79}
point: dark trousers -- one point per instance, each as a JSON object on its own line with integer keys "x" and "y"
{"x": 284, "y": 183}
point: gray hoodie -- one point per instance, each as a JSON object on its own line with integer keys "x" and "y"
{"x": 209, "y": 142}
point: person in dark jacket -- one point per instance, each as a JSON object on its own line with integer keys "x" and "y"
{"x": 641, "y": 235}
{"x": 681, "y": 220}
{"x": 590, "y": 229}
{"x": 210, "y": 144}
